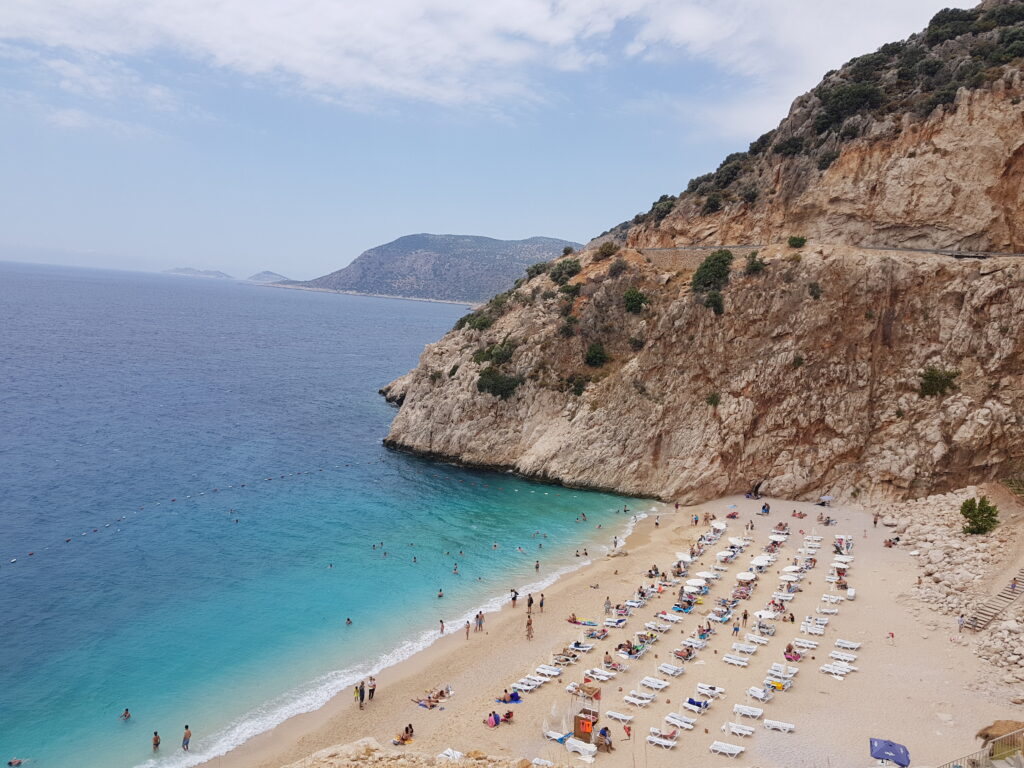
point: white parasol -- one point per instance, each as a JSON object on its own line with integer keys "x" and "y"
{"x": 718, "y": 525}
{"x": 761, "y": 561}
{"x": 788, "y": 577}
{"x": 765, "y": 614}
{"x": 725, "y": 554}
{"x": 683, "y": 557}
{"x": 706, "y": 575}
{"x": 691, "y": 590}
{"x": 792, "y": 569}
{"x": 737, "y": 542}
{"x": 745, "y": 576}
{"x": 696, "y": 583}
{"x": 777, "y": 537}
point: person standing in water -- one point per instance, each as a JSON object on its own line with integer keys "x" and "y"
{"x": 156, "y": 741}
{"x": 186, "y": 738}
{"x": 126, "y": 715}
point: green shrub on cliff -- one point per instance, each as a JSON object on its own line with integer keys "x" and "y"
{"x": 713, "y": 273}
{"x": 936, "y": 382}
{"x": 635, "y": 300}
{"x": 595, "y": 356}
{"x": 477, "y": 321}
{"x": 755, "y": 265}
{"x": 537, "y": 269}
{"x": 617, "y": 267}
{"x": 715, "y": 302}
{"x": 607, "y": 249}
{"x": 796, "y": 241}
{"x": 981, "y": 516}
{"x": 494, "y": 382}
{"x": 563, "y": 270}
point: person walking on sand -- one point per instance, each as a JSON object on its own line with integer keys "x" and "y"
{"x": 735, "y": 629}
{"x": 362, "y": 693}
{"x": 960, "y": 623}
{"x": 156, "y": 741}
{"x": 541, "y": 604}
{"x": 607, "y": 606}
{"x": 529, "y": 627}
{"x": 355, "y": 695}
{"x": 372, "y": 686}
{"x": 186, "y": 738}
{"x": 467, "y": 630}
{"x": 529, "y": 603}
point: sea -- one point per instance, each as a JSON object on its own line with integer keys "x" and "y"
{"x": 194, "y": 498}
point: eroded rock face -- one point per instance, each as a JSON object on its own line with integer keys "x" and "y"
{"x": 814, "y": 395}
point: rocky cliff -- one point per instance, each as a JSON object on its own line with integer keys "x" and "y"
{"x": 824, "y": 368}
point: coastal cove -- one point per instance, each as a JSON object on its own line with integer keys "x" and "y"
{"x": 195, "y": 494}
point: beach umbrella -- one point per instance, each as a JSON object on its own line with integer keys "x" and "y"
{"x": 788, "y": 577}
{"x": 883, "y": 749}
{"x": 683, "y": 557}
{"x": 843, "y": 559}
{"x": 745, "y": 576}
{"x": 696, "y": 583}
{"x": 826, "y": 498}
{"x": 707, "y": 575}
{"x": 765, "y": 614}
{"x": 737, "y": 542}
{"x": 761, "y": 561}
{"x": 777, "y": 537}
{"x": 691, "y": 590}
{"x": 725, "y": 554}
{"x": 844, "y": 566}
{"x": 719, "y": 526}
{"x": 791, "y": 568}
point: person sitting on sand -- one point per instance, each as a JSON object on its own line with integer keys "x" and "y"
{"x": 573, "y": 619}
{"x": 505, "y": 698}
{"x": 404, "y": 737}
{"x": 607, "y": 658}
{"x": 604, "y": 740}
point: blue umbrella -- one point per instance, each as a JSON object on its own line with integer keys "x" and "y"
{"x": 883, "y": 749}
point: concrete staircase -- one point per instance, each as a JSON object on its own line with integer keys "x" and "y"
{"x": 988, "y": 611}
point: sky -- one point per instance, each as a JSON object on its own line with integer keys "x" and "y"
{"x": 292, "y": 135}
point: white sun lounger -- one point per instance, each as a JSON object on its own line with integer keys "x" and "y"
{"x": 636, "y": 603}
{"x": 778, "y": 725}
{"x": 808, "y": 537}
{"x": 821, "y": 621}
{"x": 736, "y": 661}
{"x": 812, "y": 629}
{"x": 828, "y": 611}
{"x": 619, "y": 716}
{"x": 671, "y": 669}
{"x": 774, "y": 682}
{"x": 757, "y": 639}
{"x": 844, "y": 665}
{"x": 548, "y": 670}
{"x": 636, "y": 702}
{"x": 584, "y": 647}
{"x": 555, "y": 735}
{"x": 835, "y": 671}
{"x": 695, "y": 643}
{"x": 841, "y": 656}
{"x": 658, "y": 740}
{"x": 680, "y": 721}
{"x": 694, "y": 708}
{"x": 644, "y": 695}
{"x": 656, "y": 627}
{"x": 847, "y": 645}
{"x": 806, "y": 645}
{"x": 729, "y": 750}
{"x": 524, "y": 686}
{"x": 783, "y": 671}
{"x": 736, "y": 729}
{"x": 719, "y": 568}
{"x": 744, "y": 711}
{"x": 666, "y": 617}
{"x": 748, "y": 649}
{"x": 831, "y": 599}
{"x": 619, "y": 622}
{"x": 654, "y": 683}
{"x": 580, "y": 747}
{"x": 711, "y": 691}
{"x": 599, "y": 674}
{"x": 760, "y": 694}
{"x": 783, "y": 596}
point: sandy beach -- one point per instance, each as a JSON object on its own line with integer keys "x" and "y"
{"x": 920, "y": 688}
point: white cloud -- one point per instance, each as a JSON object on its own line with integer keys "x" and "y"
{"x": 448, "y": 51}
{"x": 79, "y": 119}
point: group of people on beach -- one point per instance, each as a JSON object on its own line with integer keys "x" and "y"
{"x": 125, "y": 717}
{"x": 364, "y": 691}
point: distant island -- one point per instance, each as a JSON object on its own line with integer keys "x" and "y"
{"x": 458, "y": 268}
{"x": 189, "y": 272}
{"x": 267, "y": 277}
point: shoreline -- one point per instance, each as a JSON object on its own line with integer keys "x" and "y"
{"x": 470, "y": 303}
{"x": 943, "y": 671}
{"x": 391, "y": 666}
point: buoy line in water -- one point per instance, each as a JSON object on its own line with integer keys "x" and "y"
{"x": 15, "y": 560}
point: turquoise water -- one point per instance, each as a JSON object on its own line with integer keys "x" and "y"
{"x": 150, "y": 414}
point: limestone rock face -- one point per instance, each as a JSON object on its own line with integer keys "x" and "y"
{"x": 813, "y": 396}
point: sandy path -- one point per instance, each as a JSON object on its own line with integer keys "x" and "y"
{"x": 916, "y": 691}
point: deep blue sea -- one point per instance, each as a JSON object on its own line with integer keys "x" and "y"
{"x": 191, "y": 479}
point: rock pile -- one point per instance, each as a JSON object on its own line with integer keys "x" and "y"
{"x": 368, "y": 752}
{"x": 957, "y": 572}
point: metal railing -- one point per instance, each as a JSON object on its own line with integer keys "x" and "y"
{"x": 1005, "y": 752}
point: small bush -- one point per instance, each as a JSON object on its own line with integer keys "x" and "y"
{"x": 608, "y": 249}
{"x": 495, "y": 353}
{"x": 798, "y": 361}
{"x": 713, "y": 273}
{"x": 761, "y": 143}
{"x": 453, "y": 370}
{"x": 595, "y": 356}
{"x": 568, "y": 250}
{"x": 712, "y": 204}
{"x": 494, "y": 382}
{"x": 435, "y": 376}
{"x": 794, "y": 145}
{"x": 814, "y": 290}
{"x": 849, "y": 131}
{"x": 477, "y": 321}
{"x": 936, "y": 382}
{"x": 796, "y": 241}
{"x": 572, "y": 291}
{"x": 981, "y": 516}
{"x": 662, "y": 207}
{"x": 617, "y": 267}
{"x": 636, "y": 343}
{"x": 537, "y": 269}
{"x": 749, "y": 194}
{"x": 548, "y": 295}
{"x": 713, "y": 399}
{"x": 755, "y": 264}
{"x": 949, "y": 23}
{"x": 826, "y": 160}
{"x": 568, "y": 328}
{"x": 577, "y": 383}
{"x": 715, "y": 302}
{"x": 635, "y": 300}
{"x": 563, "y": 270}
{"x": 899, "y": 413}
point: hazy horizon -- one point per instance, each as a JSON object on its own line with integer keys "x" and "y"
{"x": 238, "y": 137}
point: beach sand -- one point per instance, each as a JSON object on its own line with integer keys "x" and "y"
{"x": 919, "y": 690}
